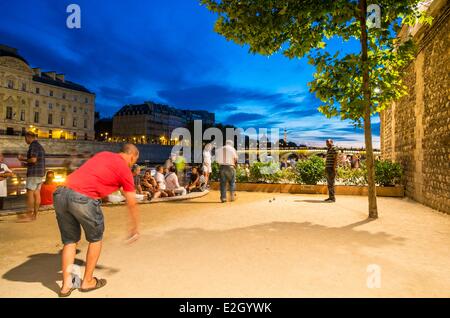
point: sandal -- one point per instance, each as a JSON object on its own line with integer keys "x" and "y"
{"x": 100, "y": 283}
{"x": 63, "y": 295}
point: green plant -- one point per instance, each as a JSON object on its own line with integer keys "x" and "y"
{"x": 349, "y": 176}
{"x": 215, "y": 174}
{"x": 242, "y": 174}
{"x": 387, "y": 173}
{"x": 288, "y": 175}
{"x": 268, "y": 172}
{"x": 311, "y": 170}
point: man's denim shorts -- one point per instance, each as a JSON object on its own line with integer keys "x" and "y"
{"x": 33, "y": 183}
{"x": 75, "y": 211}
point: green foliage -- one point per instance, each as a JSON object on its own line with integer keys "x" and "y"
{"x": 242, "y": 174}
{"x": 300, "y": 27}
{"x": 215, "y": 174}
{"x": 268, "y": 172}
{"x": 311, "y": 170}
{"x": 387, "y": 173}
{"x": 348, "y": 176}
{"x": 288, "y": 175}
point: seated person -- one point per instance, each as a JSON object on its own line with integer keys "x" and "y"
{"x": 172, "y": 182}
{"x": 194, "y": 180}
{"x": 5, "y": 173}
{"x": 161, "y": 181}
{"x": 149, "y": 184}
{"x": 47, "y": 189}
{"x": 202, "y": 184}
{"x": 136, "y": 171}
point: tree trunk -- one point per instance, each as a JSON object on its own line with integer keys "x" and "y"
{"x": 373, "y": 212}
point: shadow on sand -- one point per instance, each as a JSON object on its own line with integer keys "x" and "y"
{"x": 44, "y": 268}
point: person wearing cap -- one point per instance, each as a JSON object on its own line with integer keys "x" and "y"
{"x": 35, "y": 163}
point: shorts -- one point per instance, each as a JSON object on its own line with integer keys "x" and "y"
{"x": 207, "y": 168}
{"x": 33, "y": 183}
{"x": 75, "y": 211}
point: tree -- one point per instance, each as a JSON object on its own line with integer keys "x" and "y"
{"x": 353, "y": 86}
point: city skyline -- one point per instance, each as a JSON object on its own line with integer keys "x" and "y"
{"x": 170, "y": 54}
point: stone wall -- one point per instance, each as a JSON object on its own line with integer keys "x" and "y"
{"x": 415, "y": 131}
{"x": 59, "y": 148}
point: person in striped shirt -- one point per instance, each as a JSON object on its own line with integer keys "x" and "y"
{"x": 330, "y": 169}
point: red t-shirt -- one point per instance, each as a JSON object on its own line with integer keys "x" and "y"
{"x": 101, "y": 175}
{"x": 47, "y": 193}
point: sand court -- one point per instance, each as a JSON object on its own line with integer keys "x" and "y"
{"x": 292, "y": 246}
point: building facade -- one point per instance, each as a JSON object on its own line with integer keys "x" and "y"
{"x": 44, "y": 102}
{"x": 153, "y": 123}
{"x": 415, "y": 131}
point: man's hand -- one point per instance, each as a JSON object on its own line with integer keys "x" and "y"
{"x": 133, "y": 232}
{"x": 21, "y": 158}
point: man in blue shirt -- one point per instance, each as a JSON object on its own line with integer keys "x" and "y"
{"x": 35, "y": 163}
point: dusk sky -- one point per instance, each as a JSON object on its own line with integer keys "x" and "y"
{"x": 167, "y": 52}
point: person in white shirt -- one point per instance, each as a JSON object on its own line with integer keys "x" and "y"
{"x": 159, "y": 177}
{"x": 5, "y": 173}
{"x": 172, "y": 182}
{"x": 227, "y": 158}
{"x": 207, "y": 164}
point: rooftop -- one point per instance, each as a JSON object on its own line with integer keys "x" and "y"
{"x": 42, "y": 77}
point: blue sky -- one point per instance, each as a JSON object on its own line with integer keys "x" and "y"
{"x": 167, "y": 52}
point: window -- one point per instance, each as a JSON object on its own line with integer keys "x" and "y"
{"x": 75, "y": 98}
{"x": 50, "y": 119}
{"x": 36, "y": 103}
{"x": 24, "y": 87}
{"x": 86, "y": 100}
{"x": 64, "y": 95}
{"x": 85, "y": 136}
{"x": 85, "y": 111}
{"x": 38, "y": 90}
{"x": 75, "y": 136}
{"x": 10, "y": 84}
{"x": 74, "y": 109}
{"x": 50, "y": 93}
{"x": 36, "y": 117}
{"x": 23, "y": 131}
{"x": 63, "y": 108}
{"x": 85, "y": 123}
{"x": 63, "y": 121}
{"x": 22, "y": 115}
{"x": 9, "y": 113}
{"x": 50, "y": 106}
{"x": 74, "y": 122}
{"x": 50, "y": 134}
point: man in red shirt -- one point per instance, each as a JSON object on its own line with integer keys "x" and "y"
{"x": 78, "y": 205}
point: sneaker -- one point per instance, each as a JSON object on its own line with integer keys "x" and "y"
{"x": 223, "y": 201}
{"x": 330, "y": 200}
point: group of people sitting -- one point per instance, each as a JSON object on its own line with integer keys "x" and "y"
{"x": 165, "y": 183}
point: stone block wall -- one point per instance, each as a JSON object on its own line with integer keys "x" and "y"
{"x": 415, "y": 131}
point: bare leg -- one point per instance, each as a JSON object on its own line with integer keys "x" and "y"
{"x": 30, "y": 203}
{"x": 92, "y": 256}
{"x": 37, "y": 202}
{"x": 68, "y": 257}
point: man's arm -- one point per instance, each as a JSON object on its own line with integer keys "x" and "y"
{"x": 133, "y": 213}
{"x": 24, "y": 159}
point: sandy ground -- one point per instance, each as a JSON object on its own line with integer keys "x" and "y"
{"x": 294, "y": 246}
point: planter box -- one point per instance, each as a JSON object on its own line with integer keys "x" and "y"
{"x": 397, "y": 191}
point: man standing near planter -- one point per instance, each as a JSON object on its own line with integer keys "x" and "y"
{"x": 227, "y": 158}
{"x": 330, "y": 169}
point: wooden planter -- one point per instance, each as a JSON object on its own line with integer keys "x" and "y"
{"x": 396, "y": 191}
